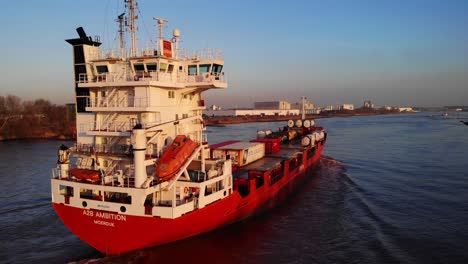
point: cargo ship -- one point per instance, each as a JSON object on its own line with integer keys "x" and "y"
{"x": 142, "y": 173}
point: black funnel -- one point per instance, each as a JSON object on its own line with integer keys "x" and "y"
{"x": 81, "y": 33}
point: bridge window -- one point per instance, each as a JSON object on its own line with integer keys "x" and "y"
{"x": 217, "y": 69}
{"x": 162, "y": 67}
{"x": 170, "y": 68}
{"x": 192, "y": 70}
{"x": 102, "y": 69}
{"x": 204, "y": 68}
{"x": 151, "y": 67}
{"x": 139, "y": 67}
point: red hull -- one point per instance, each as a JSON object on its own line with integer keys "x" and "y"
{"x": 117, "y": 233}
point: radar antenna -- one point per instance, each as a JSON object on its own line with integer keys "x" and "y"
{"x": 160, "y": 26}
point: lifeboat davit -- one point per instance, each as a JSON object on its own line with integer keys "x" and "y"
{"x": 85, "y": 174}
{"x": 175, "y": 156}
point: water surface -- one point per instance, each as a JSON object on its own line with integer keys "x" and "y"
{"x": 390, "y": 189}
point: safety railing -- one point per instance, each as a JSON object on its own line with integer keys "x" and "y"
{"x": 204, "y": 54}
{"x": 118, "y": 101}
{"x": 109, "y": 127}
{"x": 102, "y": 148}
{"x": 153, "y": 76}
{"x": 183, "y": 54}
{"x": 104, "y": 54}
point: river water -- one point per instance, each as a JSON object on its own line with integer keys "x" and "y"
{"x": 390, "y": 189}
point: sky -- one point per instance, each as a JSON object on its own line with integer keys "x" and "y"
{"x": 395, "y": 52}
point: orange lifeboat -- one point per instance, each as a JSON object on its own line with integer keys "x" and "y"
{"x": 175, "y": 156}
{"x": 85, "y": 174}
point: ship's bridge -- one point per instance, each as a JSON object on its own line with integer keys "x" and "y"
{"x": 201, "y": 69}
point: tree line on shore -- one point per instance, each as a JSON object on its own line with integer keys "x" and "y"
{"x": 34, "y": 119}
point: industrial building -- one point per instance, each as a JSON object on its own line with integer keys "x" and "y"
{"x": 347, "y": 107}
{"x": 282, "y": 105}
{"x": 251, "y": 112}
{"x": 307, "y": 105}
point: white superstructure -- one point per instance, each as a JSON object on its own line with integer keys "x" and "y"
{"x": 131, "y": 104}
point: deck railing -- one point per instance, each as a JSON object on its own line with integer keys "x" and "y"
{"x": 111, "y": 77}
{"x": 204, "y": 54}
{"x": 118, "y": 101}
{"x": 109, "y": 127}
{"x": 182, "y": 54}
{"x": 102, "y": 148}
{"x": 115, "y": 126}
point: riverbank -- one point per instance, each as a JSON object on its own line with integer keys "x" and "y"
{"x": 43, "y": 137}
{"x": 31, "y": 127}
{"x": 37, "y": 119}
{"x": 216, "y": 121}
{"x": 20, "y": 130}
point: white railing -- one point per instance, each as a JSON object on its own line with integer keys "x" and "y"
{"x": 204, "y": 54}
{"x": 101, "y": 54}
{"x": 107, "y": 77}
{"x": 112, "y": 77}
{"x": 109, "y": 127}
{"x": 155, "y": 76}
{"x": 102, "y": 148}
{"x": 118, "y": 101}
{"x": 174, "y": 77}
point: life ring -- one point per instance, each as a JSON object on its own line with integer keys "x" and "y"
{"x": 136, "y": 78}
{"x": 207, "y": 75}
{"x": 186, "y": 190}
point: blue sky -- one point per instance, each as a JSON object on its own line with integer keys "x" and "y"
{"x": 412, "y": 52}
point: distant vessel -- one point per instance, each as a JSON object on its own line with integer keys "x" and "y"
{"x": 142, "y": 172}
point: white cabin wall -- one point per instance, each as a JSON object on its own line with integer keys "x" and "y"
{"x": 90, "y": 53}
{"x": 156, "y": 96}
{"x": 84, "y": 122}
{"x": 141, "y": 92}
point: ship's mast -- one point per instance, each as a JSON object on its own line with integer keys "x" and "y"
{"x": 160, "y": 27}
{"x": 131, "y": 5}
{"x": 176, "y": 34}
{"x": 120, "y": 19}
